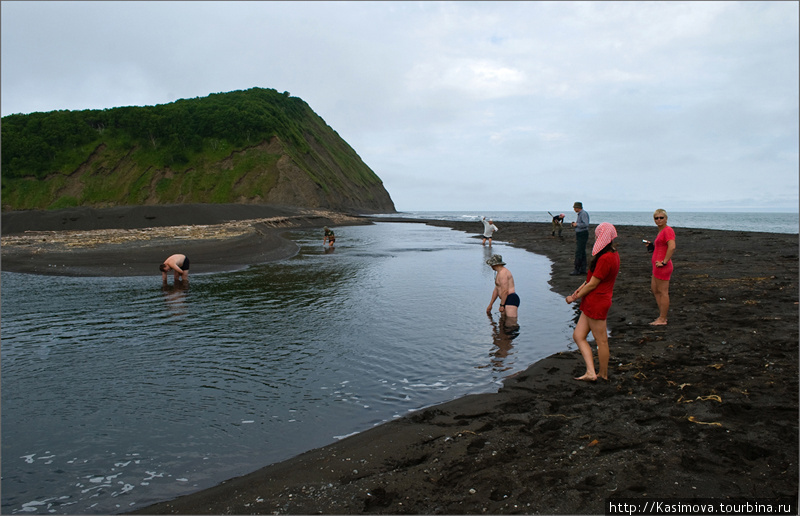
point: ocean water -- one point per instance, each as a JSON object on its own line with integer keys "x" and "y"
{"x": 117, "y": 393}
{"x": 745, "y": 221}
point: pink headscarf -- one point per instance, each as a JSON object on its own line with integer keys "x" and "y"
{"x": 603, "y": 235}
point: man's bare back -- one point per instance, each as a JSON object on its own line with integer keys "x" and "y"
{"x": 179, "y": 264}
{"x": 505, "y": 282}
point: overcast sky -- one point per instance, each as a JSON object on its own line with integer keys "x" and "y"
{"x": 475, "y": 106}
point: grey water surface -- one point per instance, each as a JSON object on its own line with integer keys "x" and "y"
{"x": 765, "y": 222}
{"x": 117, "y": 393}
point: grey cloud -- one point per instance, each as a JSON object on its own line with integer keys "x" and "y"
{"x": 460, "y": 104}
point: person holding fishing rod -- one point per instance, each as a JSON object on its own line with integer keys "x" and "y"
{"x": 558, "y": 221}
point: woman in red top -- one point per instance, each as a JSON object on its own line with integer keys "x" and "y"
{"x": 596, "y": 294}
{"x": 663, "y": 249}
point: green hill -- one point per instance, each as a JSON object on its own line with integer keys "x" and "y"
{"x": 252, "y": 146}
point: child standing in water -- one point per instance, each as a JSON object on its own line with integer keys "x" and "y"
{"x": 329, "y": 236}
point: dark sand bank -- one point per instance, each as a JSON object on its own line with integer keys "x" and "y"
{"x": 133, "y": 240}
{"x": 133, "y": 217}
{"x": 706, "y": 407}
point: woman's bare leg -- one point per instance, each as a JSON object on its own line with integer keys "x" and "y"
{"x": 579, "y": 336}
{"x": 600, "y": 333}
{"x": 660, "y": 289}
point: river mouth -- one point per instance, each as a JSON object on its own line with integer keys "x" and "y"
{"x": 118, "y": 392}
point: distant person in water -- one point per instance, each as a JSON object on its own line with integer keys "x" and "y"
{"x": 663, "y": 249}
{"x": 595, "y": 294}
{"x": 503, "y": 290}
{"x": 179, "y": 264}
{"x": 329, "y": 237}
{"x": 488, "y": 230}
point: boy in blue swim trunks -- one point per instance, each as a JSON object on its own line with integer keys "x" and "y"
{"x": 503, "y": 289}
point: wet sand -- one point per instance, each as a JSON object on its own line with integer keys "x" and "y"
{"x": 133, "y": 241}
{"x": 706, "y": 407}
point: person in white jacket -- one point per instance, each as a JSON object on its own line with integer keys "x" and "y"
{"x": 488, "y": 230}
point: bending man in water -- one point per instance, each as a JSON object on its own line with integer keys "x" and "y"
{"x": 179, "y": 263}
{"x": 504, "y": 290}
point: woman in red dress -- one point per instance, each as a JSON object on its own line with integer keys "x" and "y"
{"x": 595, "y": 294}
{"x": 663, "y": 249}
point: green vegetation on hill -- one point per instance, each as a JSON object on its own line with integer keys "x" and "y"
{"x": 256, "y": 145}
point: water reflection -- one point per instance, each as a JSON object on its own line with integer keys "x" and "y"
{"x": 175, "y": 297}
{"x": 504, "y": 331}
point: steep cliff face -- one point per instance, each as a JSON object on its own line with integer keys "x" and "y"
{"x": 294, "y": 183}
{"x": 262, "y": 173}
{"x": 274, "y": 150}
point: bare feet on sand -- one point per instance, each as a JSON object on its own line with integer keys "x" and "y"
{"x": 659, "y": 322}
{"x": 589, "y": 378}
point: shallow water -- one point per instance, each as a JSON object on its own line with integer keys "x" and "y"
{"x": 117, "y": 393}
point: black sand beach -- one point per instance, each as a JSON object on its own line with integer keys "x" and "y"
{"x": 706, "y": 407}
{"x": 133, "y": 241}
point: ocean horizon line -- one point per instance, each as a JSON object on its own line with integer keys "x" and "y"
{"x": 769, "y": 222}
{"x": 773, "y": 211}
